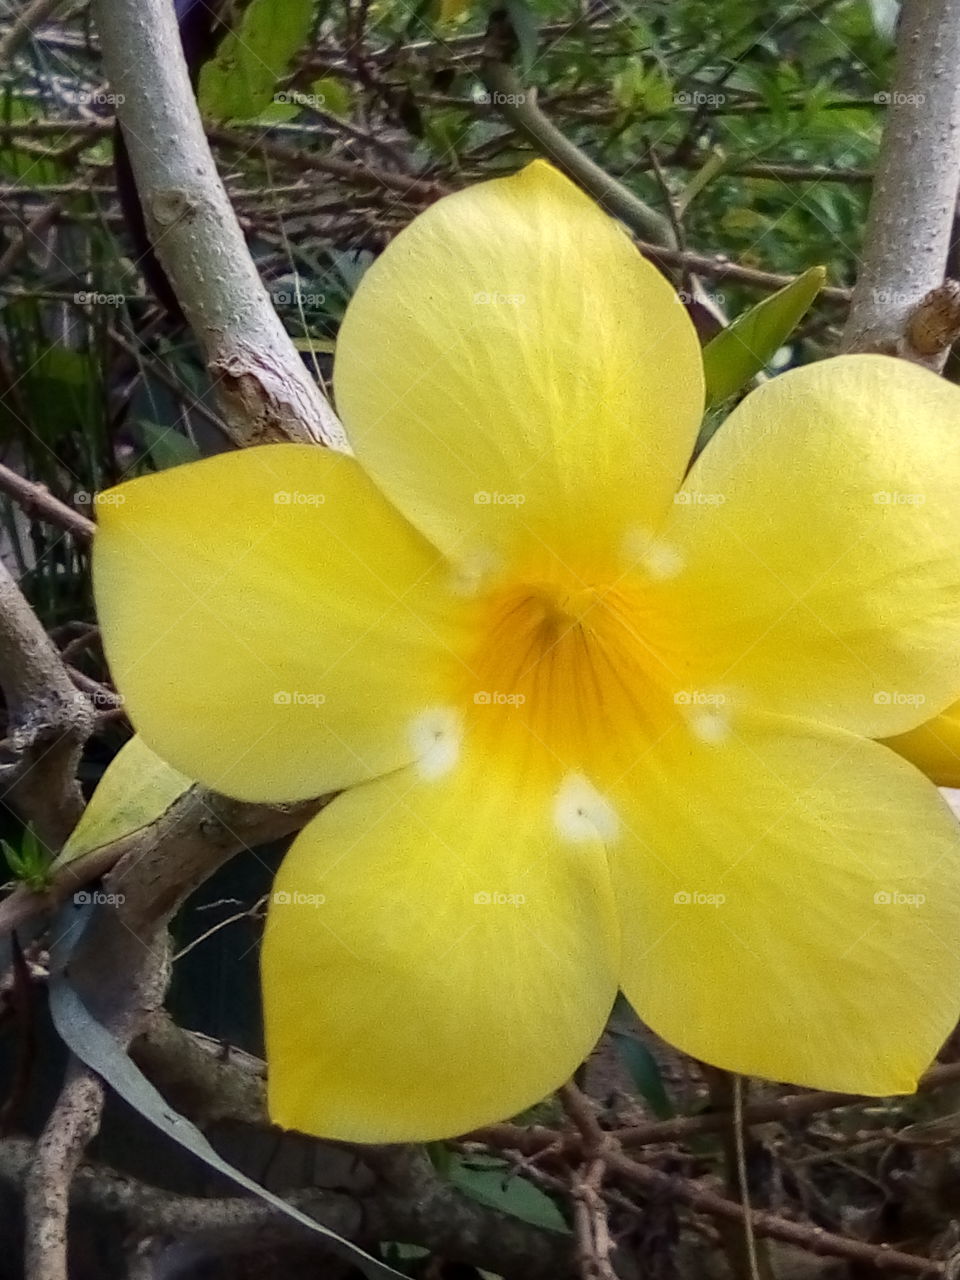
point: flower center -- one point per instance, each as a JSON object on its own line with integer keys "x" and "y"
{"x": 562, "y": 670}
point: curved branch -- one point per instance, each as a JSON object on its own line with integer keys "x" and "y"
{"x": 518, "y": 106}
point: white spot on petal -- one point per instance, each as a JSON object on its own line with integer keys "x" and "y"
{"x": 581, "y": 813}
{"x": 473, "y": 571}
{"x": 711, "y": 727}
{"x": 435, "y": 737}
{"x": 661, "y": 560}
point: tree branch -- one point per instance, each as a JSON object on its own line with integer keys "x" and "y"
{"x": 263, "y": 385}
{"x": 518, "y": 106}
{"x": 48, "y": 721}
{"x": 915, "y": 191}
{"x": 40, "y": 504}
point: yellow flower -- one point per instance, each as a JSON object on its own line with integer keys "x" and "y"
{"x": 601, "y": 722}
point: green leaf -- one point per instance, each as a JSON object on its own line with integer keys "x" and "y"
{"x": 452, "y": 10}
{"x": 31, "y": 864}
{"x": 489, "y": 1181}
{"x": 644, "y": 1072}
{"x": 333, "y": 95}
{"x": 166, "y": 446}
{"x": 239, "y": 82}
{"x": 136, "y": 788}
{"x": 740, "y": 351}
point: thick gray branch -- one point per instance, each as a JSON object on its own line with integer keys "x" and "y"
{"x": 155, "y": 868}
{"x": 48, "y": 721}
{"x": 420, "y": 1213}
{"x": 915, "y": 191}
{"x": 265, "y": 390}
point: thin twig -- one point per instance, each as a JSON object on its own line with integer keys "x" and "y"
{"x": 518, "y": 106}
{"x": 40, "y": 504}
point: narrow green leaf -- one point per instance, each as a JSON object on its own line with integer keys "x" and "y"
{"x": 644, "y": 1072}
{"x": 710, "y": 169}
{"x": 136, "y": 788}
{"x": 30, "y": 865}
{"x": 166, "y": 446}
{"x": 739, "y": 352}
{"x": 490, "y": 1182}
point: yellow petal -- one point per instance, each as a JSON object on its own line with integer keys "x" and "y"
{"x": 818, "y": 546}
{"x": 274, "y": 626}
{"x": 436, "y": 957}
{"x": 512, "y": 373}
{"x": 934, "y": 747}
{"x": 136, "y": 788}
{"x": 789, "y": 903}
